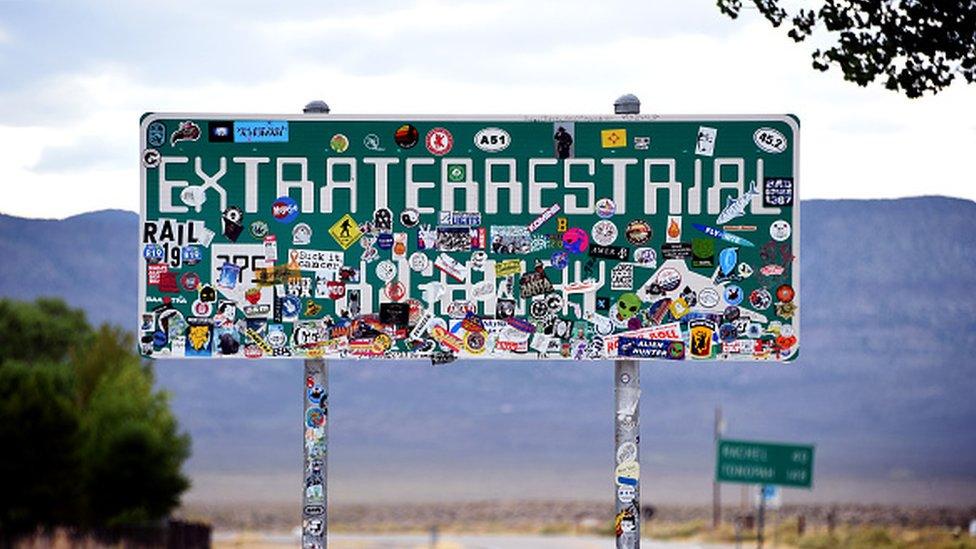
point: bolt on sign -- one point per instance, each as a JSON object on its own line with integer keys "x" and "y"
{"x": 561, "y": 237}
{"x": 764, "y": 463}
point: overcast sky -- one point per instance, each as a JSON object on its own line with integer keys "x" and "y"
{"x": 76, "y": 79}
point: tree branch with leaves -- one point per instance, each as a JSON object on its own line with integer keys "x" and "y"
{"x": 913, "y": 46}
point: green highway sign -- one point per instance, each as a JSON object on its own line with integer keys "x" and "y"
{"x": 764, "y": 463}
{"x": 439, "y": 237}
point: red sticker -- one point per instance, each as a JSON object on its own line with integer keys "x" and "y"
{"x": 439, "y": 141}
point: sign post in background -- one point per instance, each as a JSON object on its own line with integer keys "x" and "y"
{"x": 766, "y": 464}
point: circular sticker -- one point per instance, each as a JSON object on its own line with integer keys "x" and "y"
{"x": 314, "y": 417}
{"x": 409, "y": 217}
{"x": 395, "y": 290}
{"x": 559, "y": 260}
{"x": 605, "y": 208}
{"x": 259, "y": 229}
{"x": 284, "y": 209}
{"x": 575, "y": 240}
{"x": 708, "y": 297}
{"x": 627, "y": 452}
{"x": 733, "y": 294}
{"x": 604, "y": 232}
{"x": 386, "y": 270}
{"x": 744, "y": 270}
{"x": 676, "y": 349}
{"x": 539, "y": 309}
{"x": 193, "y": 197}
{"x": 780, "y": 230}
{"x": 202, "y": 308}
{"x": 150, "y": 158}
{"x": 406, "y": 136}
{"x": 645, "y": 257}
{"x": 668, "y": 279}
{"x": 638, "y": 232}
{"x": 727, "y": 332}
{"x": 761, "y": 299}
{"x": 475, "y": 342}
{"x": 190, "y": 281}
{"x": 301, "y": 234}
{"x": 381, "y": 343}
{"x": 785, "y": 293}
{"x": 339, "y": 143}
{"x": 439, "y": 141}
{"x": 732, "y": 313}
{"x": 419, "y": 262}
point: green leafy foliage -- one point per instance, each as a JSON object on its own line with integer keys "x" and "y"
{"x": 87, "y": 440}
{"x": 914, "y": 46}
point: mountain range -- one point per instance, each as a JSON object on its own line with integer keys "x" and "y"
{"x": 884, "y": 386}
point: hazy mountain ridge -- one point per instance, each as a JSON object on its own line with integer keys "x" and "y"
{"x": 884, "y": 384}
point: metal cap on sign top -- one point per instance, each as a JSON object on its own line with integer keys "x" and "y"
{"x": 627, "y": 104}
{"x": 317, "y": 106}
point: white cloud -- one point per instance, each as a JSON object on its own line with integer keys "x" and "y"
{"x": 856, "y": 142}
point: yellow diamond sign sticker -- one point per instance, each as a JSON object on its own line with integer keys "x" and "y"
{"x": 346, "y": 231}
{"x": 613, "y": 138}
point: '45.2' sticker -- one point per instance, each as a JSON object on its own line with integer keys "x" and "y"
{"x": 770, "y": 140}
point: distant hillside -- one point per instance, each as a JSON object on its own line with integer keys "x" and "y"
{"x": 884, "y": 384}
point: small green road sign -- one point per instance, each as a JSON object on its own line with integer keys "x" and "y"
{"x": 764, "y": 463}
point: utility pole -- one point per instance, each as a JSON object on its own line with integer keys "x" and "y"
{"x": 315, "y": 440}
{"x": 627, "y": 423}
{"x": 761, "y": 524}
{"x": 716, "y": 487}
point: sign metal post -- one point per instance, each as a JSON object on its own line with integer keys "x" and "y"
{"x": 627, "y": 423}
{"x": 315, "y": 450}
{"x": 627, "y": 458}
{"x": 315, "y": 525}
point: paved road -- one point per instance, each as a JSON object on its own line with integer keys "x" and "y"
{"x": 350, "y": 541}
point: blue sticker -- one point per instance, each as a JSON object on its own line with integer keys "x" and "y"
{"x": 260, "y": 131}
{"x": 192, "y": 255}
{"x": 733, "y": 294}
{"x": 154, "y": 253}
{"x": 722, "y": 235}
{"x": 627, "y": 480}
{"x": 727, "y": 259}
{"x": 559, "y": 260}
{"x": 229, "y": 273}
{"x": 290, "y": 305}
{"x": 284, "y": 209}
{"x": 156, "y": 134}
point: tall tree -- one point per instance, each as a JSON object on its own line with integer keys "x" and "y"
{"x": 915, "y": 46}
{"x": 86, "y": 438}
{"x": 131, "y": 446}
{"x": 40, "y": 469}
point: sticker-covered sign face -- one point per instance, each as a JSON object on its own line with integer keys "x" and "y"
{"x": 536, "y": 237}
